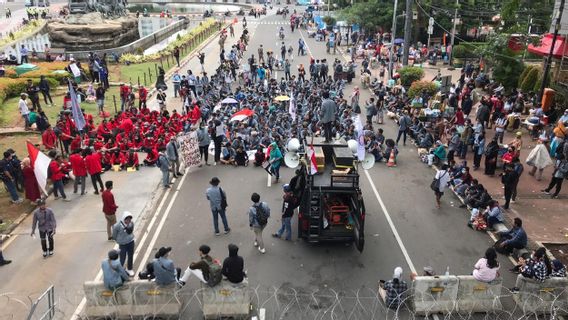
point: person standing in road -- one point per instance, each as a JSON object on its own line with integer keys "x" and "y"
{"x": 219, "y": 131}
{"x": 218, "y": 202}
{"x": 172, "y": 152}
{"x": 123, "y": 234}
{"x": 24, "y": 54}
{"x": 94, "y": 168}
{"x": 560, "y": 172}
{"x": 56, "y": 175}
{"x": 109, "y": 208}
{"x": 79, "y": 171}
{"x": 404, "y": 124}
{"x": 288, "y": 206}
{"x": 328, "y": 111}
{"x": 164, "y": 166}
{"x": 44, "y": 220}
{"x": 518, "y": 168}
{"x": 176, "y": 80}
{"x": 203, "y": 140}
{"x": 201, "y": 57}
{"x": 259, "y": 213}
{"x": 443, "y": 177}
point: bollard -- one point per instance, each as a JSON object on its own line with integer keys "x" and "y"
{"x": 138, "y": 80}
{"x": 155, "y": 69}
{"x": 161, "y": 63}
{"x": 114, "y": 101}
{"x": 145, "y": 79}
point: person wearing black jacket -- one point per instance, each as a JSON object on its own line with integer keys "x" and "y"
{"x": 509, "y": 178}
{"x": 233, "y": 265}
{"x": 289, "y": 204}
{"x": 491, "y": 153}
{"x": 44, "y": 88}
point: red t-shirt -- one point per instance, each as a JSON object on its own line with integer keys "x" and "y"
{"x": 55, "y": 171}
{"x": 78, "y": 165}
{"x": 93, "y": 163}
{"x": 109, "y": 206}
{"x": 49, "y": 139}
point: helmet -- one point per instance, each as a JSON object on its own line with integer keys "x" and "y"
{"x": 286, "y": 188}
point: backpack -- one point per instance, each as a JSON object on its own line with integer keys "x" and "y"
{"x": 215, "y": 273}
{"x": 261, "y": 216}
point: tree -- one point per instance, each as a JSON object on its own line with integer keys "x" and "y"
{"x": 372, "y": 15}
{"x": 410, "y": 74}
{"x": 506, "y": 64}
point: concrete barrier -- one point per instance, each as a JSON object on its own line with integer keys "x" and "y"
{"x": 477, "y": 296}
{"x": 226, "y": 300}
{"x": 542, "y": 297}
{"x": 135, "y": 298}
{"x": 436, "y": 294}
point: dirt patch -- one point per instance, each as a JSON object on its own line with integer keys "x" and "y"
{"x": 559, "y": 251}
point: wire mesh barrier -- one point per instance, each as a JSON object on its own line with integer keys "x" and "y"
{"x": 300, "y": 303}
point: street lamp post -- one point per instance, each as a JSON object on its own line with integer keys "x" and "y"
{"x": 393, "y": 31}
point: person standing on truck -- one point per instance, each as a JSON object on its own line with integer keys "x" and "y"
{"x": 290, "y": 203}
{"x": 328, "y": 111}
{"x": 259, "y": 213}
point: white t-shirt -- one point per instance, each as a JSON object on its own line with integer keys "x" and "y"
{"x": 483, "y": 273}
{"x": 444, "y": 177}
{"x": 23, "y": 107}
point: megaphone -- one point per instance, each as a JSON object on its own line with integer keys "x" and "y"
{"x": 368, "y": 162}
{"x": 293, "y": 145}
{"x": 291, "y": 159}
{"x": 353, "y": 145}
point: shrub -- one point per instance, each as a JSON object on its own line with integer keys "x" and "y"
{"x": 179, "y": 42}
{"x": 531, "y": 78}
{"x": 11, "y": 87}
{"x": 329, "y": 20}
{"x": 524, "y": 74}
{"x": 418, "y": 87}
{"x": 410, "y": 74}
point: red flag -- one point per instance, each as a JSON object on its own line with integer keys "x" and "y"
{"x": 40, "y": 163}
{"x": 312, "y": 159}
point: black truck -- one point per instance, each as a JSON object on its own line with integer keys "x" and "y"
{"x": 331, "y": 204}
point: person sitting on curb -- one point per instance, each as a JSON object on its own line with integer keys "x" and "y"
{"x": 164, "y": 270}
{"x": 558, "y": 269}
{"x": 114, "y": 275}
{"x": 493, "y": 214}
{"x": 233, "y": 265}
{"x": 206, "y": 269}
{"x": 516, "y": 238}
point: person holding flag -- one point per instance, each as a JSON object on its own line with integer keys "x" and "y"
{"x": 78, "y": 116}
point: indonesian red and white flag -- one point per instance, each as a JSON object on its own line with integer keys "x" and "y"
{"x": 312, "y": 160}
{"x": 40, "y": 163}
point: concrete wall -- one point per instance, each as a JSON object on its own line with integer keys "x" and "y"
{"x": 36, "y": 40}
{"x": 142, "y": 43}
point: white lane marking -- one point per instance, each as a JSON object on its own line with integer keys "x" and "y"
{"x": 391, "y": 224}
{"x": 163, "y": 219}
{"x": 269, "y": 180}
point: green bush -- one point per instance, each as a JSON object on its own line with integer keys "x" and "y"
{"x": 329, "y": 20}
{"x": 524, "y": 74}
{"x": 410, "y": 74}
{"x": 530, "y": 79}
{"x": 418, "y": 87}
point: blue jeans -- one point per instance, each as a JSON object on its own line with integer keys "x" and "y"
{"x": 127, "y": 249}
{"x": 216, "y": 213}
{"x": 276, "y": 171}
{"x": 165, "y": 177}
{"x": 12, "y": 190}
{"x": 176, "y": 89}
{"x": 58, "y": 189}
{"x": 286, "y": 227}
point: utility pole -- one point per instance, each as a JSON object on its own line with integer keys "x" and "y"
{"x": 551, "y": 52}
{"x": 430, "y": 31}
{"x": 393, "y": 35}
{"x": 407, "y": 32}
{"x": 454, "y": 32}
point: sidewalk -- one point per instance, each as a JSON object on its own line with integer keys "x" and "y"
{"x": 80, "y": 243}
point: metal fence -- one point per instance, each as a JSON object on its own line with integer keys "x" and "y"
{"x": 287, "y": 302}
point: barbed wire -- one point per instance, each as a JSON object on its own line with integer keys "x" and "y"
{"x": 286, "y": 302}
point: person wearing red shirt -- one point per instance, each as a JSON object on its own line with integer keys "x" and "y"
{"x": 109, "y": 208}
{"x": 142, "y": 97}
{"x": 49, "y": 139}
{"x": 132, "y": 160}
{"x": 124, "y": 93}
{"x": 75, "y": 143}
{"x": 94, "y": 169}
{"x": 79, "y": 171}
{"x": 151, "y": 157}
{"x": 195, "y": 115}
{"x": 56, "y": 175}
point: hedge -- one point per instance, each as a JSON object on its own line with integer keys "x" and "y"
{"x": 14, "y": 87}
{"x": 418, "y": 87}
{"x": 410, "y": 74}
{"x": 179, "y": 42}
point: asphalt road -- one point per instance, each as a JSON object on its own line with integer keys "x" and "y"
{"x": 296, "y": 279}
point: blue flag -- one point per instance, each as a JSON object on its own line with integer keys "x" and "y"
{"x": 76, "y": 109}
